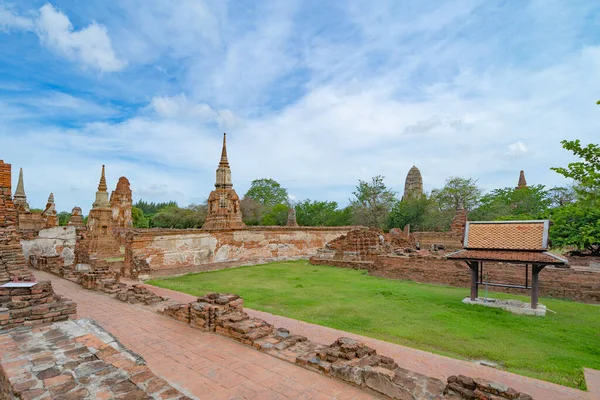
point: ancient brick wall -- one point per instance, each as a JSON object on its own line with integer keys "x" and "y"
{"x": 33, "y": 305}
{"x": 576, "y": 283}
{"x": 12, "y": 262}
{"x": 451, "y": 240}
{"x": 52, "y": 242}
{"x": 166, "y": 252}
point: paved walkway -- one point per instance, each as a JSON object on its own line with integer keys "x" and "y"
{"x": 421, "y": 361}
{"x": 205, "y": 365}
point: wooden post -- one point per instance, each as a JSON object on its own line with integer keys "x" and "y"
{"x": 535, "y": 291}
{"x": 474, "y": 272}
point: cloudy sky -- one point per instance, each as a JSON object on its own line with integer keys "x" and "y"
{"x": 314, "y": 94}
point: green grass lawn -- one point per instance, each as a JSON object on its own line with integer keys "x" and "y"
{"x": 427, "y": 317}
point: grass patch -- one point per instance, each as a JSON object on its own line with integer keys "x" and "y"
{"x": 426, "y": 317}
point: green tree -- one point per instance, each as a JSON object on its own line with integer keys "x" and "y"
{"x": 577, "y": 225}
{"x": 322, "y": 213}
{"x": 561, "y": 196}
{"x": 192, "y": 216}
{"x": 63, "y": 218}
{"x": 510, "y": 203}
{"x": 457, "y": 191}
{"x": 372, "y": 203}
{"x": 139, "y": 220}
{"x": 267, "y": 192}
{"x": 409, "y": 212}
{"x": 277, "y": 215}
{"x": 586, "y": 173}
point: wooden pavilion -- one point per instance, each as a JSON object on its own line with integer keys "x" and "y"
{"x": 510, "y": 242}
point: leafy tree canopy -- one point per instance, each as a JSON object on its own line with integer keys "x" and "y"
{"x": 457, "y": 191}
{"x": 372, "y": 202}
{"x": 267, "y": 192}
{"x": 322, "y": 213}
{"x": 586, "y": 172}
{"x": 63, "y": 218}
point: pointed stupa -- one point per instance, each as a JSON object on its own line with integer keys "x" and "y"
{"x": 413, "y": 185}
{"x": 224, "y": 210}
{"x": 50, "y": 206}
{"x": 20, "y": 199}
{"x": 223, "y": 180}
{"x": 224, "y": 160}
{"x": 522, "y": 182}
{"x": 102, "y": 193}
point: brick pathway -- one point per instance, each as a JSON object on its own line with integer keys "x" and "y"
{"x": 421, "y": 361}
{"x": 205, "y": 365}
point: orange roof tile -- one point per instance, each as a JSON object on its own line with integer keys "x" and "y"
{"x": 507, "y": 235}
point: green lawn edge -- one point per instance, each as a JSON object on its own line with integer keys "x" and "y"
{"x": 427, "y": 317}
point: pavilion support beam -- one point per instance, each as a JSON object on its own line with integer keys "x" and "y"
{"x": 535, "y": 289}
{"x": 474, "y": 265}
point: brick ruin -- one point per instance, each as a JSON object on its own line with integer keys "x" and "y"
{"x": 291, "y": 220}
{"x": 76, "y": 219}
{"x": 12, "y": 262}
{"x": 224, "y": 210}
{"x": 121, "y": 204}
{"x": 32, "y": 304}
{"x": 413, "y": 185}
{"x": 522, "y": 181}
{"x": 164, "y": 252}
{"x": 346, "y": 359}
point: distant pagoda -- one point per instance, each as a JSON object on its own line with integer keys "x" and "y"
{"x": 413, "y": 185}
{"x": 223, "y": 203}
{"x": 522, "y": 182}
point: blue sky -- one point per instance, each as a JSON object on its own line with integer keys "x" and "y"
{"x": 314, "y": 94}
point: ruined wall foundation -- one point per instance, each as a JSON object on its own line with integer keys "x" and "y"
{"x": 169, "y": 252}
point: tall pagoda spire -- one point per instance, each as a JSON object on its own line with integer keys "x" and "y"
{"x": 102, "y": 185}
{"x": 102, "y": 193}
{"x": 223, "y": 180}
{"x": 224, "y": 210}
{"x": 224, "y": 160}
{"x": 20, "y": 199}
{"x": 522, "y": 182}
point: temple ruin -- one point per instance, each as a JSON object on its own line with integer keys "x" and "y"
{"x": 20, "y": 199}
{"x": 224, "y": 210}
{"x": 522, "y": 182}
{"x": 121, "y": 203}
{"x": 413, "y": 185}
{"x": 291, "y": 221}
{"x": 103, "y": 243}
{"x": 50, "y": 212}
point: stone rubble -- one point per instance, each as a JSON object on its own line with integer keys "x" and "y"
{"x": 33, "y": 305}
{"x": 480, "y": 389}
{"x": 345, "y": 359}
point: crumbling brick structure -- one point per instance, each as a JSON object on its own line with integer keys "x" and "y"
{"x": 49, "y": 214}
{"x": 31, "y": 304}
{"x": 345, "y": 359}
{"x": 291, "y": 220}
{"x": 76, "y": 219}
{"x": 102, "y": 242}
{"x": 359, "y": 245}
{"x": 12, "y": 262}
{"x": 121, "y": 204}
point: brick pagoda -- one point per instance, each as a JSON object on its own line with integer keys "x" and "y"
{"x": 223, "y": 203}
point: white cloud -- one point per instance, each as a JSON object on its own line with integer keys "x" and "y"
{"x": 90, "y": 45}
{"x": 9, "y": 20}
{"x": 517, "y": 149}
